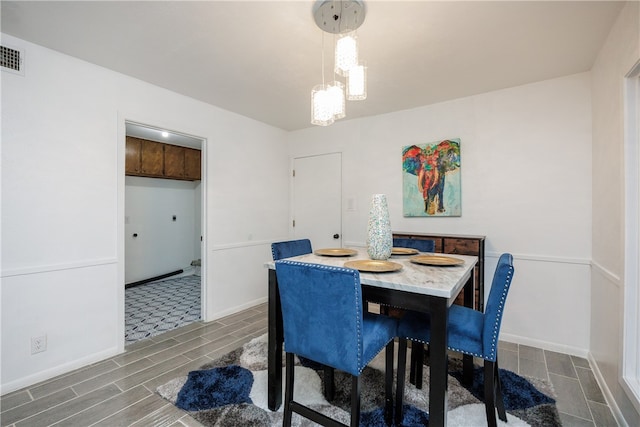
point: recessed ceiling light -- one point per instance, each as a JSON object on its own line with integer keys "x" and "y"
{"x": 165, "y": 134}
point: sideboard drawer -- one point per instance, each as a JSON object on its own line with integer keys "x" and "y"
{"x": 461, "y": 246}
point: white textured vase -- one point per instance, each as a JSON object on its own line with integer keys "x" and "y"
{"x": 379, "y": 239}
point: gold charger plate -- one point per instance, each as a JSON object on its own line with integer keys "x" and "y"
{"x": 373, "y": 266}
{"x": 336, "y": 252}
{"x": 403, "y": 251}
{"x": 436, "y": 260}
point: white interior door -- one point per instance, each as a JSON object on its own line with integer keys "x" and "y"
{"x": 317, "y": 200}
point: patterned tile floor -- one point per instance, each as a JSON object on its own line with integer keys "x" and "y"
{"x": 157, "y": 307}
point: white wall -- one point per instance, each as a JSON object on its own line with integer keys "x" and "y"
{"x": 617, "y": 58}
{"x": 526, "y": 185}
{"x": 63, "y": 207}
{"x": 162, "y": 245}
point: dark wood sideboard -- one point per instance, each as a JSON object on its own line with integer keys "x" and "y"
{"x": 463, "y": 245}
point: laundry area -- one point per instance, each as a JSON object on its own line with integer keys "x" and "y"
{"x": 163, "y": 212}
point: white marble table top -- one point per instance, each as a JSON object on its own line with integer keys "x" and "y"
{"x": 441, "y": 281}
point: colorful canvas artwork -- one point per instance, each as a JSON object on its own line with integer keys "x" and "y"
{"x": 431, "y": 179}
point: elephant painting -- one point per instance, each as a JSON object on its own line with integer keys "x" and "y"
{"x": 431, "y": 174}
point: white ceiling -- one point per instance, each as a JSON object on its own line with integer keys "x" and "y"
{"x": 261, "y": 58}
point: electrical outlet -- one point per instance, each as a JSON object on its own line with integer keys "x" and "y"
{"x": 38, "y": 344}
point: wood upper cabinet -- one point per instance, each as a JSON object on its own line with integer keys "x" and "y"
{"x": 173, "y": 161}
{"x": 192, "y": 161}
{"x": 158, "y": 160}
{"x": 132, "y": 156}
{"x": 151, "y": 158}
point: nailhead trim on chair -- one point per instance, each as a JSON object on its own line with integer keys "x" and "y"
{"x": 492, "y": 353}
{"x": 503, "y": 298}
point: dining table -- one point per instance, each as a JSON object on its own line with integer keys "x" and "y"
{"x": 420, "y": 282}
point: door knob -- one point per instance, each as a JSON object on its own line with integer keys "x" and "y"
{"x": 336, "y": 236}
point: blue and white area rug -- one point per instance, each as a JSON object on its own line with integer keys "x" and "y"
{"x": 232, "y": 391}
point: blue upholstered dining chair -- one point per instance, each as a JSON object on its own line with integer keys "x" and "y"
{"x": 289, "y": 248}
{"x": 422, "y": 245}
{"x": 343, "y": 336}
{"x": 470, "y": 332}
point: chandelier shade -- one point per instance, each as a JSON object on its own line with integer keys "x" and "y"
{"x": 343, "y": 18}
{"x": 322, "y": 106}
{"x": 357, "y": 83}
{"x": 346, "y": 53}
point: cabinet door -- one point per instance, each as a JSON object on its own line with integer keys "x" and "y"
{"x": 173, "y": 161}
{"x": 192, "y": 161}
{"x": 152, "y": 158}
{"x": 132, "y": 156}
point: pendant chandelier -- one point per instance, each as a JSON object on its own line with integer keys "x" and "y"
{"x": 341, "y": 18}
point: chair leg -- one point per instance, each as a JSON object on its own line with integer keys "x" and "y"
{"x": 355, "y": 401}
{"x": 402, "y": 361}
{"x": 467, "y": 370}
{"x": 490, "y": 393}
{"x": 388, "y": 383}
{"x": 412, "y": 364}
{"x": 329, "y": 389}
{"x": 499, "y": 398}
{"x": 417, "y": 364}
{"x": 288, "y": 389}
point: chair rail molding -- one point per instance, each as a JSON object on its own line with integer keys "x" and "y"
{"x": 542, "y": 258}
{"x": 247, "y": 244}
{"x": 39, "y": 269}
{"x": 611, "y": 277}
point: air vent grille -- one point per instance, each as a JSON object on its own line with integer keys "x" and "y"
{"x": 11, "y": 59}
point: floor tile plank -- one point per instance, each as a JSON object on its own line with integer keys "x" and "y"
{"x": 13, "y": 400}
{"x": 107, "y": 408}
{"x": 560, "y": 364}
{"x": 135, "y": 355}
{"x": 71, "y": 407}
{"x": 590, "y": 385}
{"x": 570, "y": 397}
{"x": 153, "y": 371}
{"x": 112, "y": 376}
{"x": 178, "y": 349}
{"x": 64, "y": 381}
{"x": 138, "y": 411}
{"x": 38, "y": 405}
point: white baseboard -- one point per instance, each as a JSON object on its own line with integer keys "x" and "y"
{"x": 57, "y": 370}
{"x": 545, "y": 345}
{"x": 236, "y": 309}
{"x": 606, "y": 392}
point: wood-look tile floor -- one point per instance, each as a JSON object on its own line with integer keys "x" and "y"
{"x": 580, "y": 400}
{"x": 120, "y": 391}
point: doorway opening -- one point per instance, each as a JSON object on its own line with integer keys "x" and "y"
{"x": 631, "y": 338}
{"x": 163, "y": 228}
